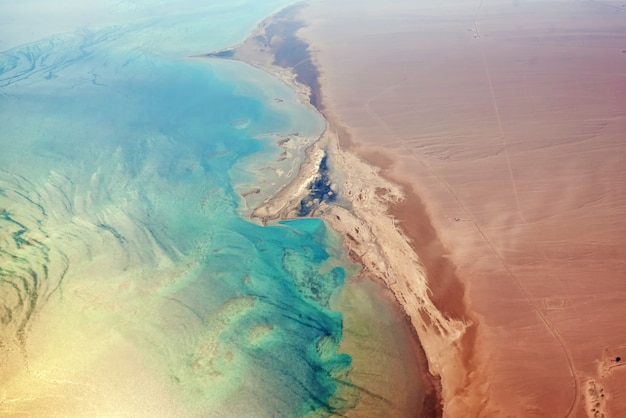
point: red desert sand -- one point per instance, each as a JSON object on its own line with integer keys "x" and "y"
{"x": 505, "y": 125}
{"x": 479, "y": 149}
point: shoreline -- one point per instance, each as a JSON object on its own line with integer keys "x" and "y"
{"x": 376, "y": 234}
{"x": 489, "y": 114}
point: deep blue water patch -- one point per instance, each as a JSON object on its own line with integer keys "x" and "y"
{"x": 320, "y": 190}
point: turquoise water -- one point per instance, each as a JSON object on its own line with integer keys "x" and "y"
{"x": 129, "y": 281}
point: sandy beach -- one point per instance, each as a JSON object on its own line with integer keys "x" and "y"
{"x": 480, "y": 148}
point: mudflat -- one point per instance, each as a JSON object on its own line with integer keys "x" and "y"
{"x": 505, "y": 125}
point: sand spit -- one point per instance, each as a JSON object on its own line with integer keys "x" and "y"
{"x": 372, "y": 236}
{"x": 274, "y": 48}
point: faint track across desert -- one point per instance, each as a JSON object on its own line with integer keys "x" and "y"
{"x": 551, "y": 328}
{"x": 531, "y": 300}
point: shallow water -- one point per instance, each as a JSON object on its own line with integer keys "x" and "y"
{"x": 129, "y": 282}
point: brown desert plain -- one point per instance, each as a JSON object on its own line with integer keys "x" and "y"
{"x": 505, "y": 124}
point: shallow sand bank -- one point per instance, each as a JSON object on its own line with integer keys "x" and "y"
{"x": 507, "y": 120}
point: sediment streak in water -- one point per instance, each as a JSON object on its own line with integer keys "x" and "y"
{"x": 31, "y": 269}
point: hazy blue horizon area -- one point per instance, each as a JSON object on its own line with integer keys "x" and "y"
{"x": 130, "y": 283}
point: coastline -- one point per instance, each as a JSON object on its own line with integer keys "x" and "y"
{"x": 488, "y": 113}
{"x": 377, "y": 231}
